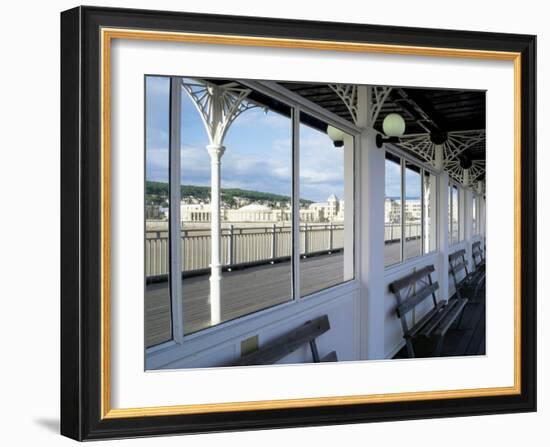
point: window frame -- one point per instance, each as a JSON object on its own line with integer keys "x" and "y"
{"x": 296, "y": 105}
{"x": 459, "y": 230}
{"x": 475, "y": 222}
{"x": 296, "y": 249}
{"x": 405, "y": 158}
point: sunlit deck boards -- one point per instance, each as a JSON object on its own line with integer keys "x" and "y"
{"x": 243, "y": 292}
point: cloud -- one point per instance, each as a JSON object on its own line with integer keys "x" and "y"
{"x": 156, "y": 166}
{"x": 258, "y": 150}
{"x": 157, "y": 98}
{"x": 258, "y": 116}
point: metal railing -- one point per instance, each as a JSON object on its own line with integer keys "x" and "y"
{"x": 392, "y": 232}
{"x": 246, "y": 245}
{"x": 240, "y": 245}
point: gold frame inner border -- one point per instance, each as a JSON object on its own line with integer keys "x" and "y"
{"x": 107, "y": 36}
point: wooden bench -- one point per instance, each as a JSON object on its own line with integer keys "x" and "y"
{"x": 477, "y": 256}
{"x": 412, "y": 290}
{"x": 289, "y": 342}
{"x": 467, "y": 285}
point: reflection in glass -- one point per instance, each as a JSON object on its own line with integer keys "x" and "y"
{"x": 413, "y": 212}
{"x": 392, "y": 210}
{"x": 158, "y": 324}
{"x": 326, "y": 208}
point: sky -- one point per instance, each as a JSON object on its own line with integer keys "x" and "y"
{"x": 257, "y": 155}
{"x": 393, "y": 181}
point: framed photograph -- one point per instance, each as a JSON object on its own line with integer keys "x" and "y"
{"x": 275, "y": 223}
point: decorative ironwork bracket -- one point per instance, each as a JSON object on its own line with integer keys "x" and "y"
{"x": 218, "y": 105}
{"x": 349, "y": 96}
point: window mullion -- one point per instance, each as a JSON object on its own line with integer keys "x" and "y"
{"x": 422, "y": 210}
{"x": 174, "y": 227}
{"x": 295, "y": 203}
{"x": 452, "y": 198}
{"x": 403, "y": 198}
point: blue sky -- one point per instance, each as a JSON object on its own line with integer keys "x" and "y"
{"x": 258, "y": 151}
{"x": 393, "y": 181}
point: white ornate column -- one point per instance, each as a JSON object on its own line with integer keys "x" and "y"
{"x": 218, "y": 106}
{"x": 215, "y": 151}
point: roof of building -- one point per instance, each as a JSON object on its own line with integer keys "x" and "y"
{"x": 255, "y": 207}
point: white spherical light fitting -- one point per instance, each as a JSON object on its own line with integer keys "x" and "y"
{"x": 393, "y": 125}
{"x": 336, "y": 135}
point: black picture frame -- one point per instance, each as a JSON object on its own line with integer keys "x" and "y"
{"x": 81, "y": 208}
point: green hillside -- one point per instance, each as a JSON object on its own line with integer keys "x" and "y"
{"x": 157, "y": 192}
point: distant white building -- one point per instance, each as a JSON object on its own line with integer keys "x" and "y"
{"x": 331, "y": 210}
{"x": 195, "y": 212}
{"x": 253, "y": 212}
{"x": 413, "y": 209}
{"x": 392, "y": 210}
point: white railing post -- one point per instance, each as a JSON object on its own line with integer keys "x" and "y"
{"x": 306, "y": 241}
{"x": 274, "y": 242}
{"x": 183, "y": 236}
{"x": 231, "y": 246}
{"x": 330, "y": 237}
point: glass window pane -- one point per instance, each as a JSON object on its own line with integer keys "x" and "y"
{"x": 474, "y": 214}
{"x": 326, "y": 207}
{"x": 450, "y": 214}
{"x": 413, "y": 212}
{"x": 256, "y": 188}
{"x": 455, "y": 222}
{"x": 158, "y": 324}
{"x": 392, "y": 210}
{"x": 429, "y": 212}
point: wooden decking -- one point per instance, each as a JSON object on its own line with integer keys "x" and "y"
{"x": 249, "y": 290}
{"x": 243, "y": 292}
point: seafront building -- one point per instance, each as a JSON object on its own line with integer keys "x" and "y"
{"x": 330, "y": 211}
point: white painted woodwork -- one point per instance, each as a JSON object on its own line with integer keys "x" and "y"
{"x": 467, "y": 223}
{"x": 216, "y": 152}
{"x": 349, "y": 206}
{"x": 443, "y": 235}
{"x": 174, "y": 216}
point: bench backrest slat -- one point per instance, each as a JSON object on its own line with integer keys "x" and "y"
{"x": 410, "y": 303}
{"x": 456, "y": 254}
{"x": 287, "y": 343}
{"x": 416, "y": 287}
{"x": 458, "y": 267}
{"x": 457, "y": 263}
{"x": 476, "y": 249}
{"x": 410, "y": 279}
